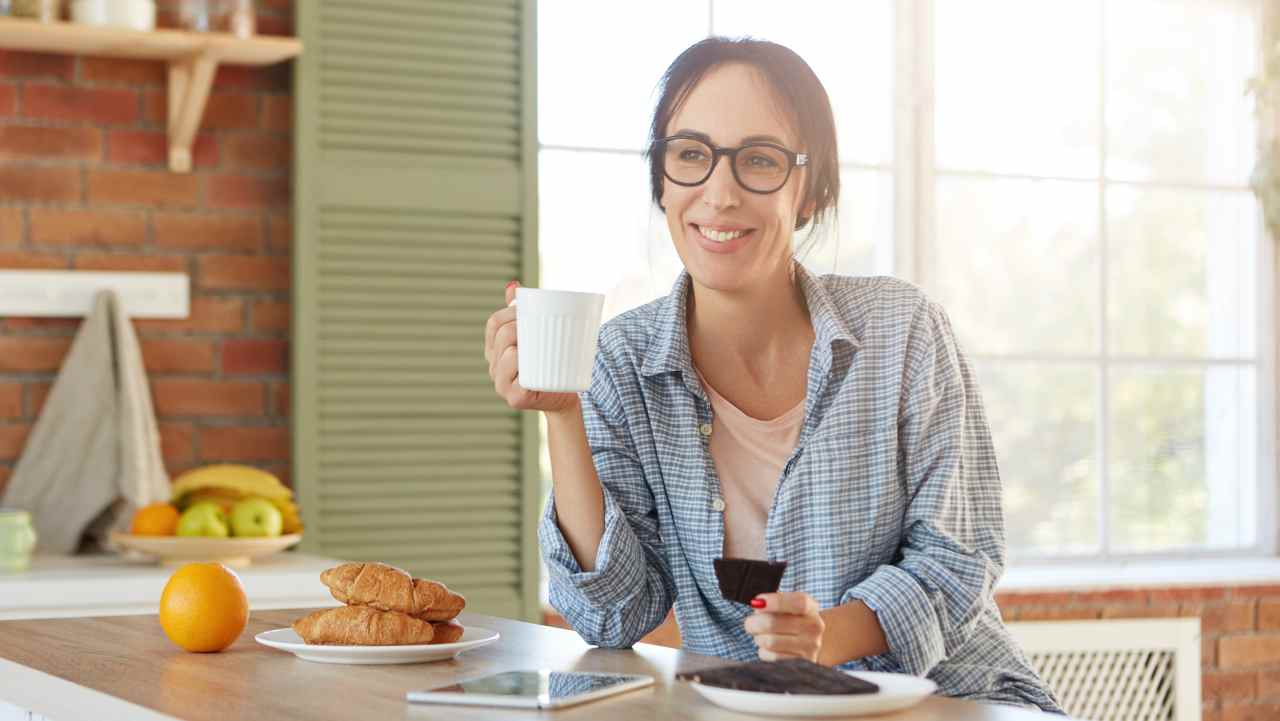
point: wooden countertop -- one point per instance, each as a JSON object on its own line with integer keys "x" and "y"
{"x": 124, "y": 667}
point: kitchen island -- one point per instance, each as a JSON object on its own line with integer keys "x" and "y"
{"x": 123, "y": 667}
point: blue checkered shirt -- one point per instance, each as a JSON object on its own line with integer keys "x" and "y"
{"x": 891, "y": 496}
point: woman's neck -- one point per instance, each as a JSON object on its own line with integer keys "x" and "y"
{"x": 759, "y": 330}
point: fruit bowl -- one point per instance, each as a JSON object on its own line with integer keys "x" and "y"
{"x": 177, "y": 550}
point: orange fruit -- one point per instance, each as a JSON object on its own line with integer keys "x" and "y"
{"x": 203, "y": 607}
{"x": 157, "y": 519}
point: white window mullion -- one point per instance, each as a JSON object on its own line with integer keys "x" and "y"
{"x": 913, "y": 139}
{"x": 1268, "y": 344}
{"x": 1130, "y": 361}
{"x": 1104, "y": 398}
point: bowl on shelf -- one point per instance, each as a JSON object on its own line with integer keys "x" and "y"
{"x": 176, "y": 550}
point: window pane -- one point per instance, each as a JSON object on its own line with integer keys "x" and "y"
{"x": 605, "y": 242}
{"x": 1181, "y": 272}
{"x": 1181, "y": 454}
{"x": 862, "y": 244}
{"x": 1017, "y": 86}
{"x": 1043, "y": 424}
{"x": 1016, "y": 264}
{"x": 599, "y": 64}
{"x": 849, "y": 47}
{"x": 1176, "y": 72}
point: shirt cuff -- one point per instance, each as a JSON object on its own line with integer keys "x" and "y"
{"x": 910, "y": 622}
{"x": 619, "y": 568}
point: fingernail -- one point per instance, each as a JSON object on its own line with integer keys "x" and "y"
{"x": 513, "y": 283}
{"x": 757, "y": 602}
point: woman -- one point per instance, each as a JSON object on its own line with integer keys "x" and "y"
{"x": 759, "y": 411}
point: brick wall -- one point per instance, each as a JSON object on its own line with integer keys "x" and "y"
{"x": 84, "y": 185}
{"x": 1239, "y": 627}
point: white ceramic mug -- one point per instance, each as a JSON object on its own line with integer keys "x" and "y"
{"x": 556, "y": 335}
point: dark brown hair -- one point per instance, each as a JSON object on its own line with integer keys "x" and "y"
{"x": 795, "y": 85}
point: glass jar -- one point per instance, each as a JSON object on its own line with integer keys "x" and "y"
{"x": 46, "y": 11}
{"x": 196, "y": 15}
{"x": 242, "y": 21}
{"x": 218, "y": 16}
{"x": 17, "y": 539}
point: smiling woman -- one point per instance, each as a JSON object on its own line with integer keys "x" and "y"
{"x": 761, "y": 412}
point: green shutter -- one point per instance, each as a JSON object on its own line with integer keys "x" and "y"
{"x": 415, "y": 202}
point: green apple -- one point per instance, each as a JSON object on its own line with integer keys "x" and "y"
{"x": 255, "y": 516}
{"x": 205, "y": 518}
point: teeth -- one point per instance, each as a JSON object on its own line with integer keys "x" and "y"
{"x": 719, "y": 236}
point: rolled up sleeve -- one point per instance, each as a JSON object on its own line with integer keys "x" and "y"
{"x": 952, "y": 554}
{"x": 630, "y": 590}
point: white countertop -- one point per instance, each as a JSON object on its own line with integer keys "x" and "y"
{"x": 112, "y": 585}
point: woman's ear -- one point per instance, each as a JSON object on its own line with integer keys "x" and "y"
{"x": 806, "y": 214}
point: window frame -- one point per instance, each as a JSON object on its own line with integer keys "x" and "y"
{"x": 907, "y": 249}
{"x": 915, "y": 178}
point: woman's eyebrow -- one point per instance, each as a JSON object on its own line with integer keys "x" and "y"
{"x": 749, "y": 139}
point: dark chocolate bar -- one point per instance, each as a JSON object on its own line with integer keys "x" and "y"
{"x": 742, "y": 579}
{"x": 792, "y": 675}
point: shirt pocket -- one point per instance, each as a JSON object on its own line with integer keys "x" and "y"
{"x": 847, "y": 485}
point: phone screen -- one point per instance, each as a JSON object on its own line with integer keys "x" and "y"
{"x": 545, "y": 685}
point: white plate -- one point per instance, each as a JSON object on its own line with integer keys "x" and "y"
{"x": 177, "y": 550}
{"x": 286, "y": 639}
{"x": 897, "y": 691}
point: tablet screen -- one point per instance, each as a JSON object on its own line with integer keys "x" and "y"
{"x": 545, "y": 685}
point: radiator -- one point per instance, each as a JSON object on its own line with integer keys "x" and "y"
{"x": 1118, "y": 670}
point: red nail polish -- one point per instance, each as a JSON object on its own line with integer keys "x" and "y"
{"x": 757, "y": 602}
{"x": 512, "y": 283}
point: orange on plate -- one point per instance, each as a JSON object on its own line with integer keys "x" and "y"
{"x": 156, "y": 519}
{"x": 203, "y": 607}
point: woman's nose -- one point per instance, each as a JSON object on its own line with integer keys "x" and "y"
{"x": 721, "y": 189}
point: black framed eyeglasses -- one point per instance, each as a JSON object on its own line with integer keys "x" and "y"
{"x": 759, "y": 167}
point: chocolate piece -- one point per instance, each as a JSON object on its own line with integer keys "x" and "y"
{"x": 742, "y": 579}
{"x": 792, "y": 675}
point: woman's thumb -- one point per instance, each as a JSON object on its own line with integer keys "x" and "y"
{"x": 511, "y": 291}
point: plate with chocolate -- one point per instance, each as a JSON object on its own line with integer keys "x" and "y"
{"x": 795, "y": 687}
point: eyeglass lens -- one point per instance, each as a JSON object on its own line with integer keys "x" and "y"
{"x": 761, "y": 168}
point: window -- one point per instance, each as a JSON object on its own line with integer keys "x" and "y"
{"x": 1069, "y": 180}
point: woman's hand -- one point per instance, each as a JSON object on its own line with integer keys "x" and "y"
{"x": 786, "y": 625}
{"x": 504, "y": 365}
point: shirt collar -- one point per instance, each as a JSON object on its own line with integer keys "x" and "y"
{"x": 669, "y": 349}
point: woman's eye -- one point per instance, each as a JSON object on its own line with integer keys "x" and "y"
{"x": 761, "y": 161}
{"x": 691, "y": 155}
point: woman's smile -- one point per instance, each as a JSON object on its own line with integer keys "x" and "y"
{"x": 720, "y": 239}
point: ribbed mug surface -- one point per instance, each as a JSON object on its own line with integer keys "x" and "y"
{"x": 556, "y": 336}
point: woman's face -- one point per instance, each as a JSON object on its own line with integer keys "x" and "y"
{"x": 730, "y": 238}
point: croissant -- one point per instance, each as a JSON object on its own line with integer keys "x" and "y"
{"x": 362, "y": 626}
{"x": 388, "y": 588}
{"x": 447, "y": 632}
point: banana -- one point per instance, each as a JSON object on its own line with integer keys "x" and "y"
{"x": 292, "y": 521}
{"x": 229, "y": 480}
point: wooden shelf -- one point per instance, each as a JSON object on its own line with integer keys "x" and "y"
{"x": 193, "y": 59}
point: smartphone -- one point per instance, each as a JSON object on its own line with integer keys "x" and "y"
{"x": 541, "y": 689}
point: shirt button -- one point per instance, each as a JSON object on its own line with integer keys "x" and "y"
{"x": 705, "y": 429}
{"x": 718, "y": 505}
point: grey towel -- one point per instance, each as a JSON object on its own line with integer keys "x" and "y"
{"x": 93, "y": 457}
